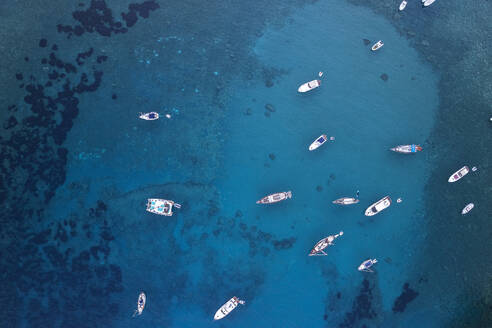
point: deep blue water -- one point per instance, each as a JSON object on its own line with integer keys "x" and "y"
{"x": 78, "y": 165}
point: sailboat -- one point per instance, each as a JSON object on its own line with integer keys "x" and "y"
{"x": 142, "y": 299}
{"x": 275, "y": 198}
{"x": 318, "y": 249}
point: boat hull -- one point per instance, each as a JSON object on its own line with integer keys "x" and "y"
{"x": 428, "y": 2}
{"x": 161, "y": 206}
{"x": 378, "y": 45}
{"x": 275, "y": 198}
{"x": 467, "y": 208}
{"x": 402, "y": 5}
{"x": 152, "y": 116}
{"x": 345, "y": 201}
{"x": 459, "y": 174}
{"x": 407, "y": 149}
{"x": 308, "y": 86}
{"x": 321, "y": 140}
{"x": 225, "y": 309}
{"x": 142, "y": 299}
{"x": 378, "y": 206}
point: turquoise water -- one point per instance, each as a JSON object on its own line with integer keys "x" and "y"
{"x": 82, "y": 247}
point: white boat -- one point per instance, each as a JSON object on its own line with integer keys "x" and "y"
{"x": 407, "y": 149}
{"x": 467, "y": 208}
{"x": 345, "y": 201}
{"x": 227, "y": 308}
{"x": 459, "y": 174}
{"x": 318, "y": 142}
{"x": 366, "y": 265}
{"x": 378, "y": 206}
{"x": 152, "y": 116}
{"x": 403, "y": 4}
{"x": 161, "y": 206}
{"x": 308, "y": 86}
{"x": 428, "y": 2}
{"x": 377, "y": 45}
{"x": 318, "y": 249}
{"x": 140, "y": 304}
{"x": 275, "y": 198}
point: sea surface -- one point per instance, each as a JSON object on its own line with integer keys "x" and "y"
{"x": 77, "y": 165}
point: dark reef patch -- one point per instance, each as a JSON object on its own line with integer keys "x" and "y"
{"x": 362, "y": 307}
{"x": 83, "y": 55}
{"x": 405, "y": 297}
{"x": 43, "y": 43}
{"x": 384, "y": 77}
{"x": 285, "y": 243}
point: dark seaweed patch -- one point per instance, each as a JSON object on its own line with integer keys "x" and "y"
{"x": 362, "y": 308}
{"x": 405, "y": 297}
{"x": 83, "y": 55}
{"x": 43, "y": 43}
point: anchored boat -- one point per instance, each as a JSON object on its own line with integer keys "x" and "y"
{"x": 308, "y": 86}
{"x": 378, "y": 206}
{"x": 318, "y": 142}
{"x": 459, "y": 174}
{"x": 140, "y": 304}
{"x": 367, "y": 264}
{"x": 467, "y": 208}
{"x": 377, "y": 45}
{"x": 428, "y": 2}
{"x": 275, "y": 198}
{"x": 227, "y": 308}
{"x": 346, "y": 201}
{"x": 152, "y": 116}
{"x": 407, "y": 149}
{"x": 403, "y": 4}
{"x": 318, "y": 249}
{"x": 161, "y": 206}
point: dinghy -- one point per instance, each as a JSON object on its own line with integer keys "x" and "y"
{"x": 467, "y": 208}
{"x": 459, "y": 174}
{"x": 227, "y": 308}
{"x": 367, "y": 264}
{"x": 140, "y": 304}
{"x": 377, "y": 45}
{"x": 407, "y": 149}
{"x": 345, "y": 201}
{"x": 318, "y": 142}
{"x": 403, "y": 4}
{"x": 318, "y": 249}
{"x": 378, "y": 206}
{"x": 308, "y": 86}
{"x": 428, "y": 2}
{"x": 275, "y": 198}
{"x": 161, "y": 206}
{"x": 152, "y": 116}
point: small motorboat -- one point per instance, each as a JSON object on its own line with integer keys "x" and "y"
{"x": 407, "y": 149}
{"x": 140, "y": 304}
{"x": 318, "y": 142}
{"x": 227, "y": 308}
{"x": 318, "y": 249}
{"x": 428, "y": 2}
{"x": 152, "y": 116}
{"x": 459, "y": 174}
{"x": 161, "y": 206}
{"x": 367, "y": 264}
{"x": 403, "y": 4}
{"x": 378, "y": 206}
{"x": 346, "y": 201}
{"x": 377, "y": 45}
{"x": 467, "y": 208}
{"x": 308, "y": 86}
{"x": 275, "y": 198}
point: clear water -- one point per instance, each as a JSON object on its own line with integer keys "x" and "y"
{"x": 77, "y": 244}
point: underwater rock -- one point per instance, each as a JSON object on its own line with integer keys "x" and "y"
{"x": 319, "y": 188}
{"x": 271, "y": 156}
{"x": 83, "y": 55}
{"x": 248, "y": 112}
{"x": 269, "y": 83}
{"x": 239, "y": 214}
{"x": 366, "y": 42}
{"x": 361, "y": 307}
{"x": 405, "y": 297}
{"x": 270, "y": 108}
{"x": 114, "y": 96}
{"x": 285, "y": 243}
{"x": 19, "y": 76}
{"x": 43, "y": 43}
{"x": 384, "y": 77}
{"x": 10, "y": 123}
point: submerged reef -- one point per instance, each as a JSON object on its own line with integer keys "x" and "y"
{"x": 362, "y": 307}
{"x": 406, "y": 296}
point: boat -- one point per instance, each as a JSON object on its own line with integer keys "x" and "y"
{"x": 407, "y": 149}
{"x": 377, "y": 45}
{"x": 152, "y": 116}
{"x": 345, "y": 201}
{"x": 275, "y": 198}
{"x": 428, "y": 2}
{"x": 366, "y": 265}
{"x": 161, "y": 206}
{"x": 227, "y": 308}
{"x": 378, "y": 206}
{"x": 308, "y": 86}
{"x": 467, "y": 208}
{"x": 318, "y": 249}
{"x": 140, "y": 304}
{"x": 403, "y": 4}
{"x": 459, "y": 174}
{"x": 318, "y": 142}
